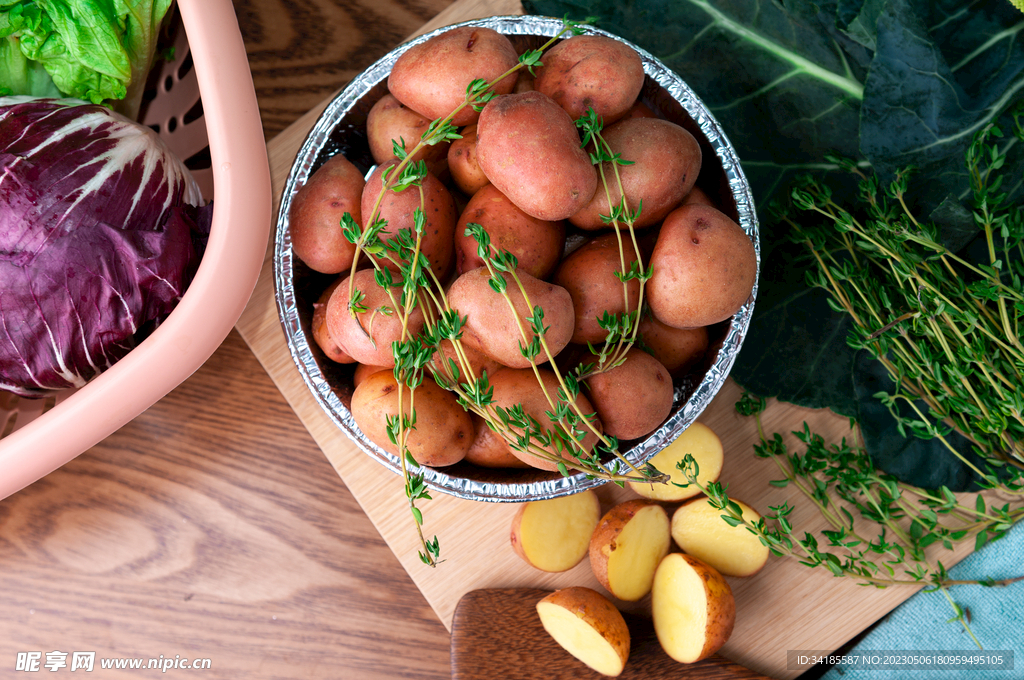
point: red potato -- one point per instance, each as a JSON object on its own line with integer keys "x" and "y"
{"x": 443, "y": 432}
{"x": 478, "y": 361}
{"x": 529, "y": 148}
{"x": 592, "y": 71}
{"x": 488, "y": 449}
{"x": 391, "y": 121}
{"x": 585, "y": 624}
{"x": 698, "y": 441}
{"x": 697, "y": 195}
{"x": 698, "y": 528}
{"x": 640, "y": 110}
{"x": 524, "y": 82}
{"x": 693, "y": 608}
{"x": 704, "y": 268}
{"x": 649, "y": 389}
{"x": 666, "y": 161}
{"x": 589, "y": 274}
{"x": 678, "y": 349}
{"x": 493, "y": 328}
{"x": 463, "y": 165}
{"x": 314, "y": 219}
{"x": 627, "y": 546}
{"x": 364, "y": 371}
{"x": 398, "y": 209}
{"x": 380, "y": 320}
{"x": 432, "y": 77}
{"x": 553, "y": 535}
{"x": 537, "y": 244}
{"x": 321, "y": 335}
{"x": 514, "y": 387}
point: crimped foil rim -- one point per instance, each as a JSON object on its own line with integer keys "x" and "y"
{"x": 437, "y": 479}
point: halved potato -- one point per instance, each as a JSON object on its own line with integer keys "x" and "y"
{"x": 587, "y": 626}
{"x": 693, "y": 608}
{"x": 627, "y": 547}
{"x": 706, "y": 448}
{"x": 698, "y": 528}
{"x": 554, "y": 535}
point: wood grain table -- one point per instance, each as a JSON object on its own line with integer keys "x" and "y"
{"x": 212, "y": 526}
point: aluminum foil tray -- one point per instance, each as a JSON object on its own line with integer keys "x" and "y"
{"x": 341, "y": 129}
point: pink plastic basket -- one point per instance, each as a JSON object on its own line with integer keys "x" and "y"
{"x": 42, "y": 440}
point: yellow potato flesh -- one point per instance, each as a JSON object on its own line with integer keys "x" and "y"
{"x": 580, "y": 639}
{"x": 698, "y": 528}
{"x": 679, "y": 606}
{"x": 639, "y": 548}
{"x": 706, "y": 448}
{"x": 555, "y": 534}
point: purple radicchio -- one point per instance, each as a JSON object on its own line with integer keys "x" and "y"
{"x": 99, "y": 237}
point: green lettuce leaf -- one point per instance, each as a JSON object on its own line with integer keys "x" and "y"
{"x": 96, "y": 50}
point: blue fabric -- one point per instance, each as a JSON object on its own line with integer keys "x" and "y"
{"x": 997, "y": 618}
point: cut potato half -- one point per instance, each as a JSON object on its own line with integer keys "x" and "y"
{"x": 554, "y": 535}
{"x": 587, "y": 626}
{"x": 698, "y": 528}
{"x": 627, "y": 547}
{"x": 706, "y": 448}
{"x": 693, "y": 608}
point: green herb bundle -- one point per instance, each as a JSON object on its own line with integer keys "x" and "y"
{"x": 946, "y": 326}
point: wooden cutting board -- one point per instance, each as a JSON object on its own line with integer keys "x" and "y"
{"x": 496, "y": 633}
{"x": 784, "y": 607}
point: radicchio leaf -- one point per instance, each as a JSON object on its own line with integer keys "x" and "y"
{"x": 97, "y": 240}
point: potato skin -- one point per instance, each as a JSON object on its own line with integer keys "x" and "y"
{"x": 588, "y": 273}
{"x": 478, "y": 361}
{"x": 602, "y": 542}
{"x": 491, "y": 327}
{"x": 488, "y": 449}
{"x": 721, "y": 607}
{"x": 398, "y": 208}
{"x": 321, "y": 335}
{"x": 529, "y": 148}
{"x": 634, "y": 398}
{"x": 592, "y": 71}
{"x": 704, "y": 267}
{"x": 314, "y": 219}
{"x": 350, "y": 331}
{"x": 666, "y": 161}
{"x": 597, "y": 611}
{"x": 640, "y": 110}
{"x": 697, "y": 195}
{"x": 364, "y": 371}
{"x": 513, "y": 387}
{"x": 463, "y": 165}
{"x": 678, "y": 349}
{"x": 537, "y": 244}
{"x": 443, "y": 432}
{"x": 389, "y": 120}
{"x": 432, "y": 77}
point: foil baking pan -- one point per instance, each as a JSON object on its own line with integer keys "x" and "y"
{"x": 341, "y": 129}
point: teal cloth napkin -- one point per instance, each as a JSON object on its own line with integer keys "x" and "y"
{"x": 997, "y": 619}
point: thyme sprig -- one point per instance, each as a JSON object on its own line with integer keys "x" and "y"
{"x": 622, "y": 328}
{"x": 910, "y": 519}
{"x": 947, "y": 330}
